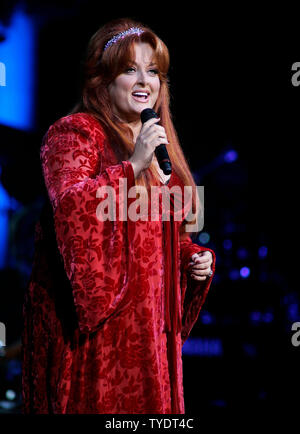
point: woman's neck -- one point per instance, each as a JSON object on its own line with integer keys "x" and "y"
{"x": 134, "y": 125}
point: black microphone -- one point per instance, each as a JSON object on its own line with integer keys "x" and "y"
{"x": 160, "y": 150}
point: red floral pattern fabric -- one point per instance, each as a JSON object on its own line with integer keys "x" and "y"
{"x": 95, "y": 338}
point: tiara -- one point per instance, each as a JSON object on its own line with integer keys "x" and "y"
{"x": 116, "y": 38}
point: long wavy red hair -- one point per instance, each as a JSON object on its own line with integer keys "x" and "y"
{"x": 101, "y": 68}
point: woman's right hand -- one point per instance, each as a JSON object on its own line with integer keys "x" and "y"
{"x": 150, "y": 136}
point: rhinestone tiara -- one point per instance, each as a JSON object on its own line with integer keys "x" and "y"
{"x": 122, "y": 35}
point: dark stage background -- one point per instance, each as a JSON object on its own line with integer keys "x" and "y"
{"x": 237, "y": 114}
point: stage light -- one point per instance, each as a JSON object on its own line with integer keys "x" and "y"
{"x": 7, "y": 405}
{"x": 227, "y": 244}
{"x": 268, "y": 317}
{"x": 250, "y": 350}
{"x": 245, "y": 272}
{"x": 255, "y": 316}
{"x": 206, "y": 318}
{"x": 14, "y": 369}
{"x": 230, "y": 228}
{"x": 234, "y": 274}
{"x": 219, "y": 403}
{"x": 242, "y": 253}
{"x": 203, "y": 347}
{"x": 265, "y": 317}
{"x": 262, "y": 251}
{"x": 4, "y": 224}
{"x": 10, "y": 394}
{"x": 17, "y": 54}
{"x": 293, "y": 312}
{"x": 204, "y": 238}
{"x": 230, "y": 156}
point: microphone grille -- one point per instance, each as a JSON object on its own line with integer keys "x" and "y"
{"x": 147, "y": 114}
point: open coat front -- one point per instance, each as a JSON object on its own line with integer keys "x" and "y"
{"x": 109, "y": 303}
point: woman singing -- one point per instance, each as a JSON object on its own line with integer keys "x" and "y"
{"x": 111, "y": 302}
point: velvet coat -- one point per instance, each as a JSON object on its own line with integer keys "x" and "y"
{"x": 109, "y": 304}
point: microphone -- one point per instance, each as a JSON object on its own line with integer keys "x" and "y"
{"x": 160, "y": 150}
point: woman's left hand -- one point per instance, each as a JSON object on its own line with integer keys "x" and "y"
{"x": 200, "y": 267}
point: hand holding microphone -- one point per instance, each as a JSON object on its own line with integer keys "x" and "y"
{"x": 152, "y": 138}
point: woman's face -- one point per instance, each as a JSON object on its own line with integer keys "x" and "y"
{"x": 136, "y": 88}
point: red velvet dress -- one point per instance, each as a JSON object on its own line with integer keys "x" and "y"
{"x": 109, "y": 304}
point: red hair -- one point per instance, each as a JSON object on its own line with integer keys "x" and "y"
{"x": 101, "y": 68}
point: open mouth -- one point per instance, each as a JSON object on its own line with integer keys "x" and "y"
{"x": 141, "y": 96}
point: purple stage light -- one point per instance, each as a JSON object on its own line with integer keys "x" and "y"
{"x": 242, "y": 253}
{"x": 255, "y": 316}
{"x": 234, "y": 274}
{"x": 211, "y": 347}
{"x": 227, "y": 244}
{"x": 262, "y": 251}
{"x": 207, "y": 318}
{"x": 230, "y": 156}
{"x": 245, "y": 272}
{"x": 268, "y": 317}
